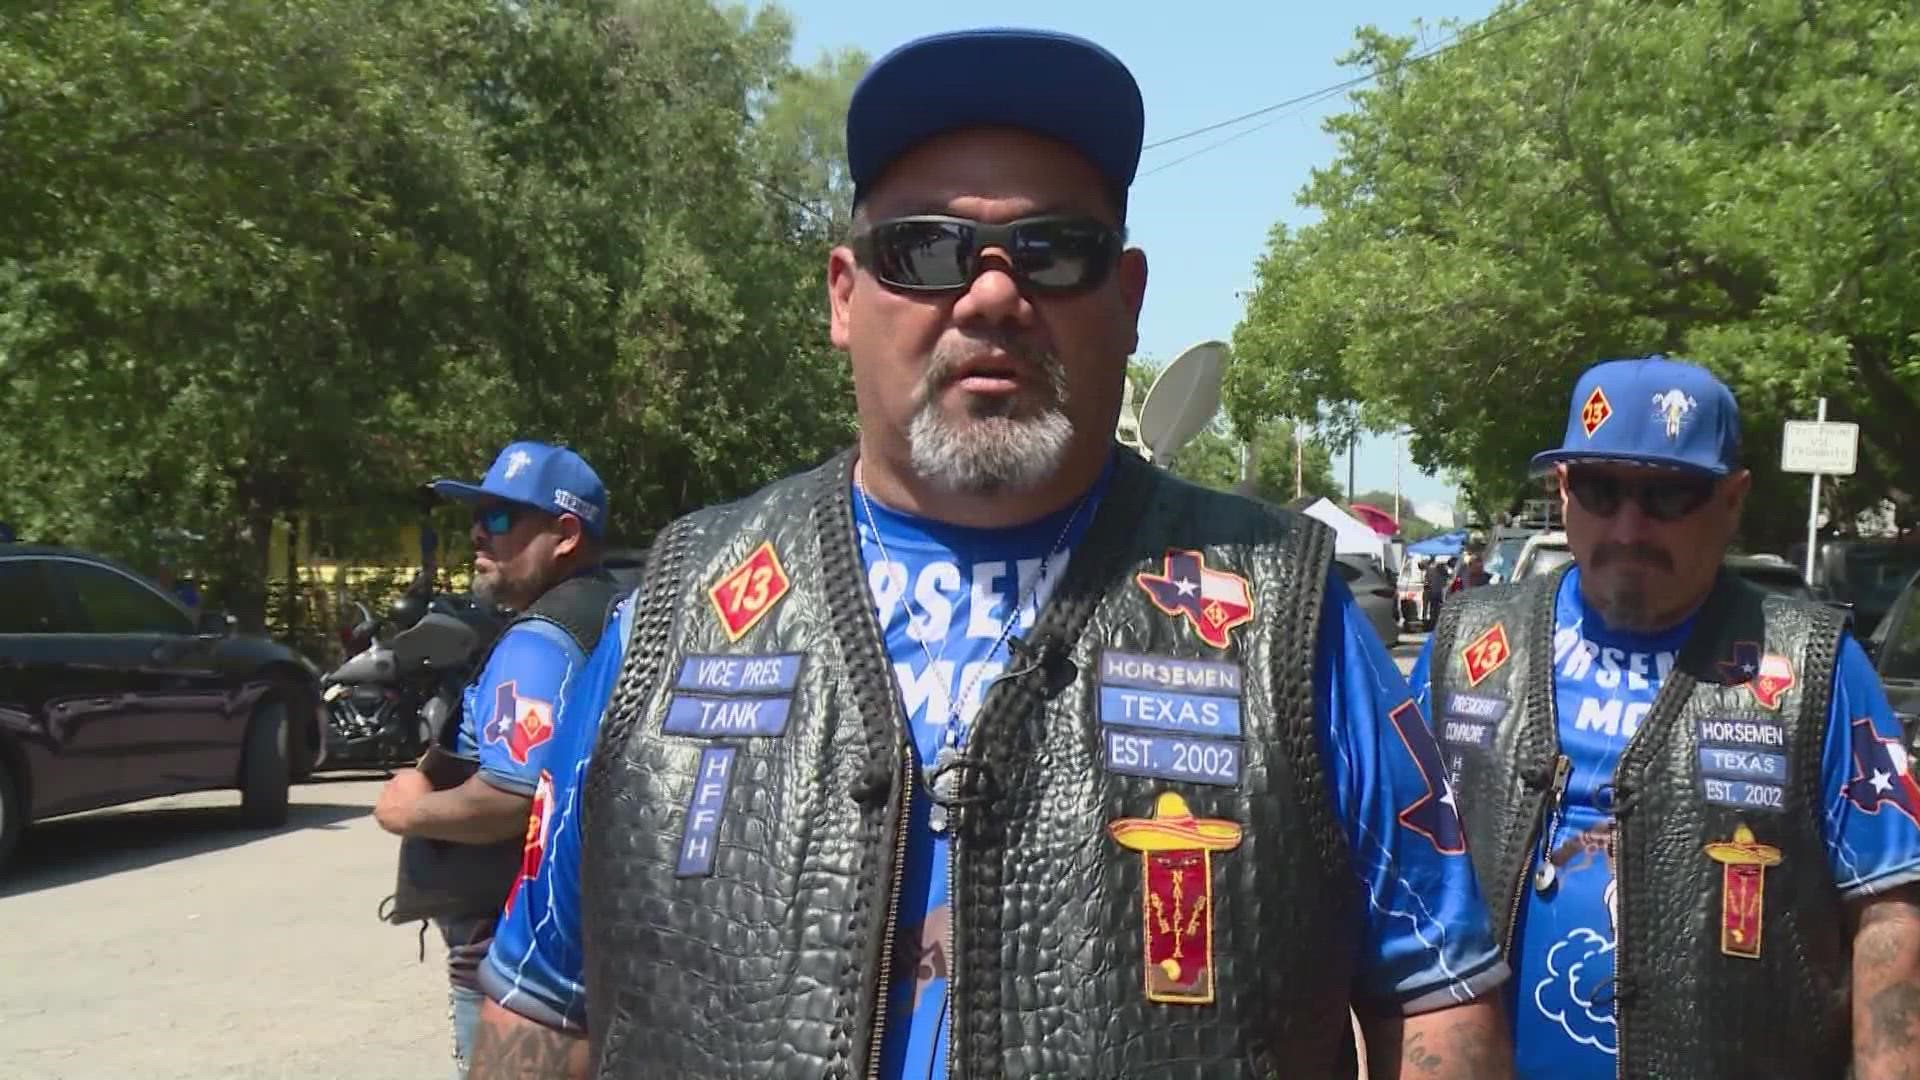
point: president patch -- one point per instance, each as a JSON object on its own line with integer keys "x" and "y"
{"x": 1471, "y": 719}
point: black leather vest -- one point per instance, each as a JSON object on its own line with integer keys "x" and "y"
{"x": 739, "y": 892}
{"x": 439, "y": 879}
{"x": 1734, "y": 740}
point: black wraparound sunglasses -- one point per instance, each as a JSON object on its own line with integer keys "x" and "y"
{"x": 1665, "y": 499}
{"x": 929, "y": 253}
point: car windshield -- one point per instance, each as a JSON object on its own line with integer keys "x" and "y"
{"x": 1875, "y": 573}
{"x": 1548, "y": 559}
{"x": 1899, "y": 654}
{"x": 1501, "y": 556}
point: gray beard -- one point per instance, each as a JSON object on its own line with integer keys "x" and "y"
{"x": 994, "y": 447}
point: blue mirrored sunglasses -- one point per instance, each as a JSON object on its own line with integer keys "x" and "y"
{"x": 497, "y": 520}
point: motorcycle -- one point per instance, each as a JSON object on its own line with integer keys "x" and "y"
{"x": 395, "y": 694}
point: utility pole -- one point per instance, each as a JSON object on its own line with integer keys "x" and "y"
{"x": 1396, "y": 477}
{"x": 1353, "y": 442}
{"x": 1299, "y": 463}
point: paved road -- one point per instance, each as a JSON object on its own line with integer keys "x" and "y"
{"x": 1407, "y": 651}
{"x": 167, "y": 943}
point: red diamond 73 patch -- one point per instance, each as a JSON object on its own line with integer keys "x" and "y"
{"x": 749, "y": 591}
{"x": 1485, "y": 654}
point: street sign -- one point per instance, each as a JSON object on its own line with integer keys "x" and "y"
{"x": 1829, "y": 448}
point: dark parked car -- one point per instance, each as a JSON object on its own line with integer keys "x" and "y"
{"x": 1773, "y": 574}
{"x": 1374, "y": 593}
{"x": 1895, "y": 644}
{"x": 111, "y": 693}
{"x": 624, "y": 564}
{"x": 1866, "y": 575}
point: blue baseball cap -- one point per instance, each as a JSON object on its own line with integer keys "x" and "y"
{"x": 1057, "y": 85}
{"x": 1653, "y": 411}
{"x": 549, "y": 478}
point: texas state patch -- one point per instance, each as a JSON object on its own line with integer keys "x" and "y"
{"x": 523, "y": 724}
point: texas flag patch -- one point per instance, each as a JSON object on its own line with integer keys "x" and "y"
{"x": 1767, "y": 678}
{"x": 1882, "y": 775}
{"x": 522, "y": 723}
{"x": 1214, "y": 601}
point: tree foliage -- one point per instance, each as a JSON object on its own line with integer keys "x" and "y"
{"x": 267, "y": 260}
{"x": 1731, "y": 183}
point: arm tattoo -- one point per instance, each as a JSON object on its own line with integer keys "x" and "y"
{"x": 1891, "y": 1017}
{"x": 521, "y": 1052}
{"x": 1419, "y": 1058}
{"x": 1886, "y": 988}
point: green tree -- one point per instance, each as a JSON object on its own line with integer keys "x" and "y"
{"x": 266, "y": 260}
{"x": 1214, "y": 459}
{"x": 1731, "y": 184}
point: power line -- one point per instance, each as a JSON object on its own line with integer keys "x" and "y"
{"x": 1458, "y": 39}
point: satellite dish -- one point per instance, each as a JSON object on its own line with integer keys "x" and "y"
{"x": 1127, "y": 432}
{"x": 1183, "y": 399}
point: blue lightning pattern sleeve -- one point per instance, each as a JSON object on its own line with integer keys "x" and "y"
{"x": 535, "y": 965}
{"x": 1428, "y": 942}
{"x": 1872, "y": 821}
{"x": 507, "y": 715}
{"x": 1420, "y": 679}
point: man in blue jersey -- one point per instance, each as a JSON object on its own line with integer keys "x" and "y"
{"x": 1692, "y": 796}
{"x": 538, "y": 517}
{"x": 1170, "y": 886}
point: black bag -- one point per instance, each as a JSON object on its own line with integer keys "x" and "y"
{"x": 439, "y": 879}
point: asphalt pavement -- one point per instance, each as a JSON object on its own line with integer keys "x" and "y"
{"x": 168, "y": 943}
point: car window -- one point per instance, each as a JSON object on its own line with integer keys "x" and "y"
{"x": 1899, "y": 654}
{"x": 26, "y": 604}
{"x": 1875, "y": 573}
{"x": 114, "y": 603}
{"x": 1502, "y": 557}
{"x": 1548, "y": 559}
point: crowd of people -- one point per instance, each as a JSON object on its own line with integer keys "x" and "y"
{"x": 989, "y": 749}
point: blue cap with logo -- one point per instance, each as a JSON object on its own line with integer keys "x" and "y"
{"x": 1653, "y": 411}
{"x": 1057, "y": 85}
{"x": 549, "y": 478}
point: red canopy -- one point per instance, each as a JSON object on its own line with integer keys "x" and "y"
{"x": 1375, "y": 518}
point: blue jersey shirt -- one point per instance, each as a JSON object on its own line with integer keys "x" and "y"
{"x": 507, "y": 713}
{"x": 944, "y": 595}
{"x": 1605, "y": 681}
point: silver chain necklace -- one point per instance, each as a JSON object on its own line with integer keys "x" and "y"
{"x": 953, "y": 737}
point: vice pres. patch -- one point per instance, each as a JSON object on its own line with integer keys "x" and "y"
{"x": 1743, "y": 763}
{"x": 726, "y": 696}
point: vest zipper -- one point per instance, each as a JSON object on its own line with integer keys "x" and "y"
{"x": 877, "y": 1048}
{"x": 1541, "y": 834}
{"x": 953, "y": 961}
{"x": 1619, "y": 949}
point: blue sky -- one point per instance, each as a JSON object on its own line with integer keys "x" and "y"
{"x": 1203, "y": 222}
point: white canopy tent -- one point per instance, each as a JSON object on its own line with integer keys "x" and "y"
{"x": 1351, "y": 536}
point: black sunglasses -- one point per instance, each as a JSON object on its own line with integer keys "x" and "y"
{"x": 1666, "y": 499}
{"x": 1054, "y": 255}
